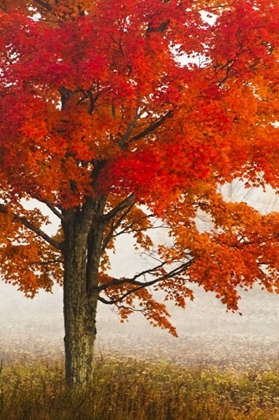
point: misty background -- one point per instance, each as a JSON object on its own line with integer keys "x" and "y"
{"x": 208, "y": 335}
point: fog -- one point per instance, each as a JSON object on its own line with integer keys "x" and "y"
{"x": 208, "y": 335}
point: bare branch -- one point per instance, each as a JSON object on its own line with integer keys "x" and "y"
{"x": 114, "y": 226}
{"x": 39, "y": 232}
{"x": 127, "y": 202}
{"x": 45, "y": 5}
{"x": 92, "y": 101}
{"x": 33, "y": 228}
{"x": 153, "y": 126}
{"x": 133, "y": 280}
{"x": 53, "y": 209}
{"x": 159, "y": 29}
{"x": 46, "y": 262}
{"x": 130, "y": 228}
{"x": 145, "y": 284}
{"x": 112, "y": 302}
{"x": 116, "y": 282}
{"x": 124, "y": 140}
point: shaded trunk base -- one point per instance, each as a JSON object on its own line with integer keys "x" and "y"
{"x": 80, "y": 335}
{"x": 79, "y": 359}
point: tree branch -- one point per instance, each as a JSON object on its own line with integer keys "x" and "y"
{"x": 141, "y": 285}
{"x": 112, "y": 302}
{"x": 153, "y": 126}
{"x": 45, "y": 5}
{"x": 124, "y": 140}
{"x": 92, "y": 101}
{"x": 52, "y": 208}
{"x": 128, "y": 201}
{"x": 130, "y": 229}
{"x": 33, "y": 228}
{"x": 114, "y": 226}
{"x": 4, "y": 7}
{"x": 159, "y": 29}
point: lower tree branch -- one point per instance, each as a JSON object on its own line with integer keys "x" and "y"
{"x": 141, "y": 285}
{"x": 33, "y": 228}
{"x": 53, "y": 209}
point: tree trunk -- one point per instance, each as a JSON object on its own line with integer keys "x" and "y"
{"x": 79, "y": 317}
{"x": 80, "y": 334}
{"x": 81, "y": 264}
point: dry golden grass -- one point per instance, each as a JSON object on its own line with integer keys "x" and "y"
{"x": 134, "y": 389}
{"x": 219, "y": 368}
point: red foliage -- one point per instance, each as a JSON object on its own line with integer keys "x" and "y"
{"x": 142, "y": 98}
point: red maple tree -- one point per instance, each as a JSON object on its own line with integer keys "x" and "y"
{"x": 117, "y": 114}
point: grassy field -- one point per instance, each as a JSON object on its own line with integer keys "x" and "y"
{"x": 222, "y": 367}
{"x": 129, "y": 388}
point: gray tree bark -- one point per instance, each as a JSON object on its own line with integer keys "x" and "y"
{"x": 83, "y": 232}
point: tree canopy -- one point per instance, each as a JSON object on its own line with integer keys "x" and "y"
{"x": 120, "y": 115}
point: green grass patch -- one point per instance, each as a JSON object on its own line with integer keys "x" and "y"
{"x": 128, "y": 388}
